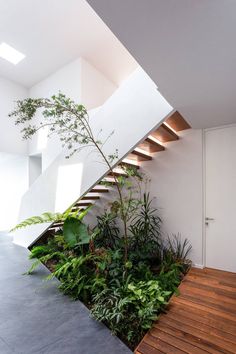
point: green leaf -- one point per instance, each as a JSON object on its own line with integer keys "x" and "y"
{"x": 44, "y": 218}
{"x": 75, "y": 232}
{"x": 83, "y": 235}
{"x": 83, "y": 213}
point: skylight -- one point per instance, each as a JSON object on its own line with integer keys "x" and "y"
{"x": 10, "y": 54}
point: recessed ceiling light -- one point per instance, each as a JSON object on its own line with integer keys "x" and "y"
{"x": 10, "y": 54}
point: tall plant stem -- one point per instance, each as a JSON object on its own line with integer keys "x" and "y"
{"x": 94, "y": 142}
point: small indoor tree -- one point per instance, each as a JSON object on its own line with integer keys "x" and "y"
{"x": 70, "y": 121}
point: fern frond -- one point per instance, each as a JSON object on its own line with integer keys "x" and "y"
{"x": 50, "y": 218}
{"x": 33, "y": 266}
{"x": 44, "y": 218}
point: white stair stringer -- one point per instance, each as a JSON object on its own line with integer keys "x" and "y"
{"x": 132, "y": 112}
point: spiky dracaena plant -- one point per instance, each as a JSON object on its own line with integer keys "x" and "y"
{"x": 69, "y": 121}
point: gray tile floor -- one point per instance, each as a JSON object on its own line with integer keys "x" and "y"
{"x": 36, "y": 318}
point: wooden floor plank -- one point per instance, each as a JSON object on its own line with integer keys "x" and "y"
{"x": 202, "y": 319}
{"x": 147, "y": 349}
{"x": 163, "y": 345}
{"x": 176, "y": 341}
{"x": 192, "y": 343}
{"x": 207, "y": 341}
{"x": 200, "y": 326}
{"x": 196, "y": 278}
{"x": 222, "y": 300}
{"x": 219, "y": 289}
{"x": 180, "y": 341}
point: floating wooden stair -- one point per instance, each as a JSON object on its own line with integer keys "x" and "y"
{"x": 139, "y": 156}
{"x": 164, "y": 134}
{"x": 177, "y": 122}
{"x": 81, "y": 204}
{"x": 117, "y": 174}
{"x": 127, "y": 164}
{"x": 110, "y": 181}
{"x": 99, "y": 190}
{"x": 56, "y": 225}
{"x": 91, "y": 197}
{"x": 151, "y": 146}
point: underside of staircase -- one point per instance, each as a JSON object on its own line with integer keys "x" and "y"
{"x": 156, "y": 142}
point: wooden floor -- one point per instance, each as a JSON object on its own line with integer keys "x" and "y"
{"x": 202, "y": 319}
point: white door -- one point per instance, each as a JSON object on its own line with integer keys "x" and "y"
{"x": 220, "y": 216}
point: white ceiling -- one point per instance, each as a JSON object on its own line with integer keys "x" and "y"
{"x": 52, "y": 33}
{"x": 187, "y": 47}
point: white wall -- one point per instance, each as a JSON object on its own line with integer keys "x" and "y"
{"x": 13, "y": 155}
{"x": 95, "y": 87}
{"x": 81, "y": 82}
{"x": 78, "y": 80}
{"x": 68, "y": 81}
{"x": 13, "y": 184}
{"x": 35, "y": 168}
{"x": 132, "y": 111}
{"x": 176, "y": 182}
{"x": 10, "y": 138}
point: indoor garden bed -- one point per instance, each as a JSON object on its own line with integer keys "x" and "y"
{"x": 122, "y": 269}
{"x": 126, "y": 295}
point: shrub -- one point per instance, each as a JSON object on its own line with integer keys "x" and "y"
{"x": 129, "y": 309}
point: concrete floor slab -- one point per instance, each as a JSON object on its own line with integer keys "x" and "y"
{"x": 36, "y": 318}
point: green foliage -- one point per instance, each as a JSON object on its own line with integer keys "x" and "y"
{"x": 130, "y": 308}
{"x": 180, "y": 249}
{"x": 170, "y": 277}
{"x": 145, "y": 230}
{"x": 70, "y": 121}
{"x": 127, "y": 297}
{"x": 75, "y": 232}
{"x": 80, "y": 278}
{"x": 51, "y": 217}
{"x": 44, "y": 218}
{"x": 177, "y": 251}
{"x": 106, "y": 233}
{"x": 59, "y": 256}
{"x": 39, "y": 251}
{"x": 124, "y": 274}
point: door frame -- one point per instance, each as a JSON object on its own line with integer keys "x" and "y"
{"x": 204, "y": 131}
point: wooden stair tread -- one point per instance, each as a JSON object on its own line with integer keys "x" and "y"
{"x": 151, "y": 146}
{"x": 83, "y": 204}
{"x": 92, "y": 197}
{"x": 99, "y": 190}
{"x": 177, "y": 122}
{"x": 139, "y": 156}
{"x": 117, "y": 174}
{"x": 107, "y": 181}
{"x": 164, "y": 134}
{"x": 129, "y": 165}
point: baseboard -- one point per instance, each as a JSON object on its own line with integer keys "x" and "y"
{"x": 200, "y": 266}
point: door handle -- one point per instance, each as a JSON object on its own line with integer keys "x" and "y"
{"x": 207, "y": 219}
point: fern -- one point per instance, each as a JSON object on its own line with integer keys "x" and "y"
{"x": 39, "y": 251}
{"x": 44, "y": 218}
{"x": 51, "y": 217}
{"x": 34, "y": 265}
{"x": 44, "y": 259}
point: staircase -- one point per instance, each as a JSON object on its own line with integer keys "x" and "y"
{"x": 156, "y": 142}
{"x": 133, "y": 112}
